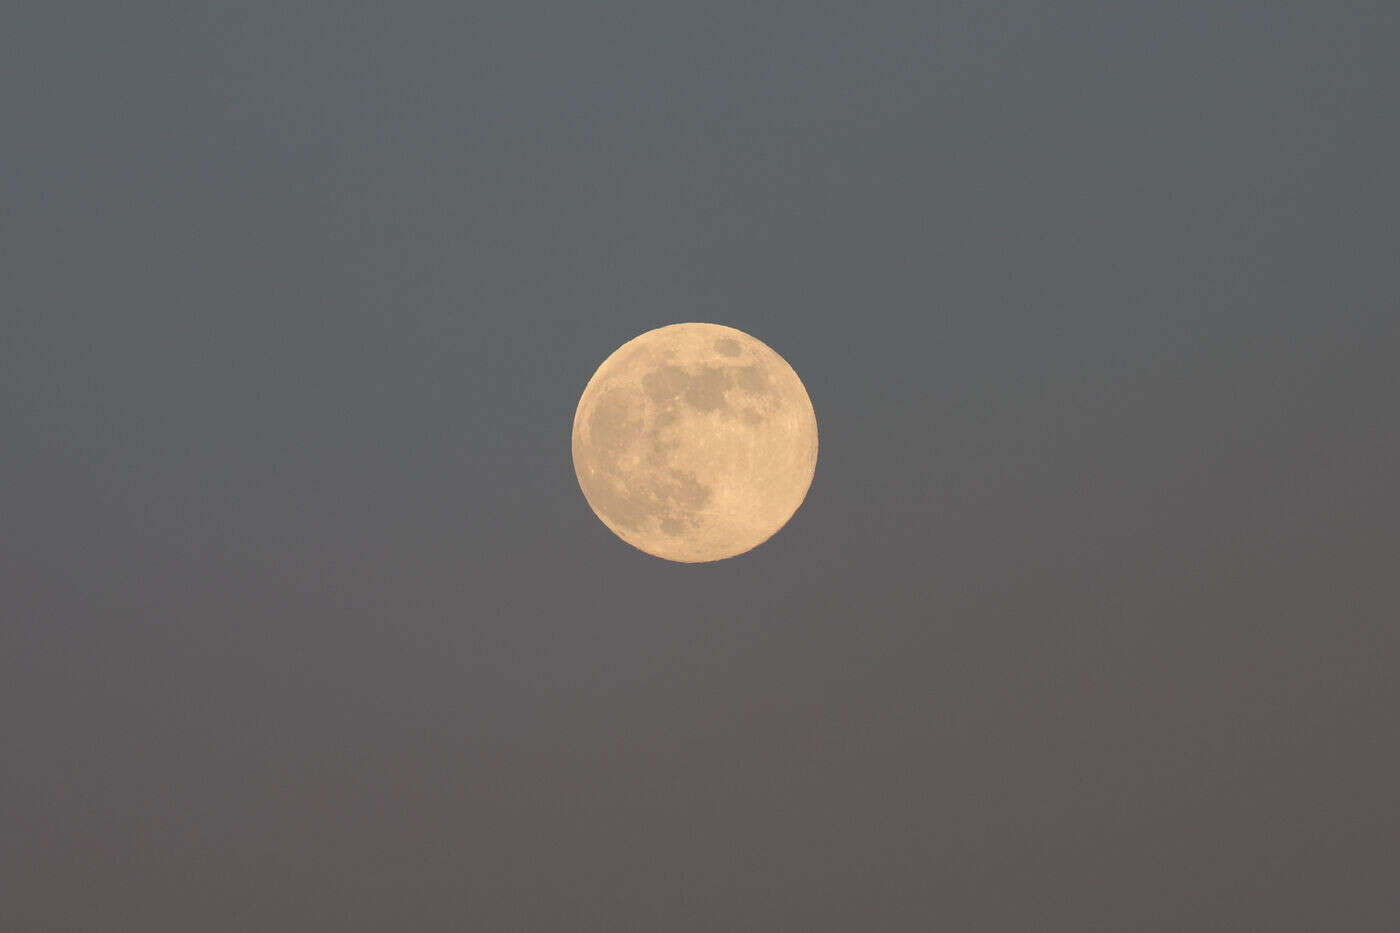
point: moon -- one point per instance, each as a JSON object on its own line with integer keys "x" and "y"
{"x": 694, "y": 442}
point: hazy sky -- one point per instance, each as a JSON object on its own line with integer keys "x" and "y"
{"x": 1089, "y": 620}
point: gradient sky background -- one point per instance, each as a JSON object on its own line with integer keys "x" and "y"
{"x": 1089, "y": 620}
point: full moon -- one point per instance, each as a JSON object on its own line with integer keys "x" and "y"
{"x": 695, "y": 442}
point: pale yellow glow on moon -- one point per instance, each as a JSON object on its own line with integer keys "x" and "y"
{"x": 695, "y": 442}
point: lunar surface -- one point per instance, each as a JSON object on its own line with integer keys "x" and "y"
{"x": 695, "y": 442}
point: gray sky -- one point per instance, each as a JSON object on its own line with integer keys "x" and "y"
{"x": 1089, "y": 619}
